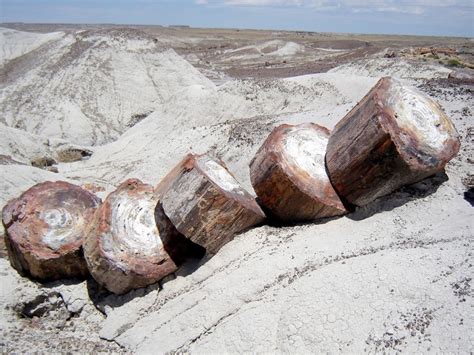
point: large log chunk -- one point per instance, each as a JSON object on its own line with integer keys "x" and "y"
{"x": 122, "y": 247}
{"x": 393, "y": 137}
{"x": 289, "y": 176}
{"x": 205, "y": 203}
{"x": 45, "y": 227}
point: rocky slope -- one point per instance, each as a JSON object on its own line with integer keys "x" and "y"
{"x": 91, "y": 85}
{"x": 16, "y": 43}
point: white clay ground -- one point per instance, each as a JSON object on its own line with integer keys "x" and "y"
{"x": 395, "y": 275}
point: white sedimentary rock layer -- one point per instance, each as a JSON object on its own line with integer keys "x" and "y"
{"x": 16, "y": 43}
{"x": 97, "y": 85}
{"x": 399, "y": 68}
{"x": 219, "y": 119}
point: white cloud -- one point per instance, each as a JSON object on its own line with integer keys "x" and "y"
{"x": 264, "y": 2}
{"x": 202, "y": 2}
{"x": 416, "y": 7}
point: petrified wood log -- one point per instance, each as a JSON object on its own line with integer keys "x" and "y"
{"x": 289, "y": 175}
{"x": 393, "y": 137}
{"x": 122, "y": 247}
{"x": 179, "y": 248}
{"x": 205, "y": 203}
{"x": 45, "y": 227}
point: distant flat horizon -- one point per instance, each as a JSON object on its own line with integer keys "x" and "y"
{"x": 222, "y": 28}
{"x": 453, "y": 18}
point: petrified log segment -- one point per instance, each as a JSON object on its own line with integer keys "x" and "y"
{"x": 205, "y": 203}
{"x": 122, "y": 247}
{"x": 179, "y": 248}
{"x": 45, "y": 227}
{"x": 289, "y": 175}
{"x": 393, "y": 137}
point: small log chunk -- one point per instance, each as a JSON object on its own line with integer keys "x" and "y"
{"x": 206, "y": 203}
{"x": 122, "y": 247}
{"x": 45, "y": 227}
{"x": 289, "y": 176}
{"x": 395, "y": 136}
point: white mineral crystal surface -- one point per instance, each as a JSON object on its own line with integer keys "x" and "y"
{"x": 305, "y": 147}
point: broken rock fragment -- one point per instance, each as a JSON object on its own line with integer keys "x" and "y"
{"x": 45, "y": 227}
{"x": 393, "y": 137}
{"x": 289, "y": 175}
{"x": 205, "y": 203}
{"x": 122, "y": 247}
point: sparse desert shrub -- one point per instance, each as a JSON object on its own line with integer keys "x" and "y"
{"x": 70, "y": 155}
{"x": 137, "y": 118}
{"x": 43, "y": 162}
{"x": 454, "y": 63}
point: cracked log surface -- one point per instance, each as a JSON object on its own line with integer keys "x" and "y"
{"x": 289, "y": 176}
{"x": 393, "y": 137}
{"x": 45, "y": 228}
{"x": 205, "y": 203}
{"x": 123, "y": 248}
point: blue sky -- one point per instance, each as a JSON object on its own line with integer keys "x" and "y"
{"x": 423, "y": 17}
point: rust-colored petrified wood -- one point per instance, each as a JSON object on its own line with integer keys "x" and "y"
{"x": 289, "y": 175}
{"x": 393, "y": 137}
{"x": 45, "y": 227}
{"x": 205, "y": 203}
{"x": 122, "y": 247}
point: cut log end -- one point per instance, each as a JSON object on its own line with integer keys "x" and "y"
{"x": 423, "y": 131}
{"x": 393, "y": 137}
{"x": 205, "y": 202}
{"x": 45, "y": 227}
{"x": 218, "y": 175}
{"x": 123, "y": 247}
{"x": 289, "y": 176}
